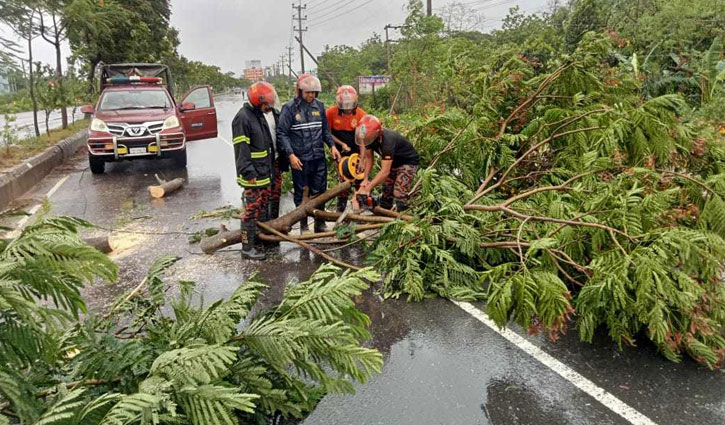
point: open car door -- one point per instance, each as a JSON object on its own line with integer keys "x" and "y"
{"x": 200, "y": 121}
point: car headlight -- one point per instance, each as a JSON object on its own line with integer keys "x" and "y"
{"x": 170, "y": 122}
{"x": 99, "y": 125}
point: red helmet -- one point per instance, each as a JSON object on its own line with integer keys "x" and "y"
{"x": 346, "y": 98}
{"x": 262, "y": 92}
{"x": 368, "y": 130}
{"x": 308, "y": 82}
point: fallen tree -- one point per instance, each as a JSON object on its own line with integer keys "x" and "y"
{"x": 585, "y": 205}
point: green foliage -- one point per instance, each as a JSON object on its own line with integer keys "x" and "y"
{"x": 602, "y": 202}
{"x": 216, "y": 363}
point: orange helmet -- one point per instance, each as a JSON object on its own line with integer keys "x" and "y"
{"x": 368, "y": 130}
{"x": 308, "y": 82}
{"x": 262, "y": 92}
{"x": 346, "y": 98}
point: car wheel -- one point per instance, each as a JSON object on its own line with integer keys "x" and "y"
{"x": 98, "y": 166}
{"x": 180, "y": 158}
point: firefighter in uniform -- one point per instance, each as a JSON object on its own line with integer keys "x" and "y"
{"x": 253, "y": 143}
{"x": 399, "y": 162}
{"x": 302, "y": 133}
{"x": 343, "y": 118}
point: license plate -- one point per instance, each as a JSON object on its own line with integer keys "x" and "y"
{"x": 136, "y": 151}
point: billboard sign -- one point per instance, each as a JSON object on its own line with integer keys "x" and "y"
{"x": 369, "y": 83}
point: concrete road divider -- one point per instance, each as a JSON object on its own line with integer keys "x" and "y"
{"x": 21, "y": 178}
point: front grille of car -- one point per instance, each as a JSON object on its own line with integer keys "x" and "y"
{"x": 145, "y": 129}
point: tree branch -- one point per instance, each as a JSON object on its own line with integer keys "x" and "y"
{"x": 307, "y": 246}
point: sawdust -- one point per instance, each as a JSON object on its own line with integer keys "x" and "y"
{"x": 123, "y": 243}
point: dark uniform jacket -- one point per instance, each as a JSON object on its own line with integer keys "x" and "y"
{"x": 303, "y": 129}
{"x": 253, "y": 147}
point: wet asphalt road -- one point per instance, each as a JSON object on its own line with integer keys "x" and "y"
{"x": 442, "y": 366}
{"x": 23, "y": 123}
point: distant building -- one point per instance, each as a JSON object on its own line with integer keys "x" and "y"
{"x": 254, "y": 63}
{"x": 254, "y": 74}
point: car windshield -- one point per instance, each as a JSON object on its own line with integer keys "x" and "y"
{"x": 134, "y": 99}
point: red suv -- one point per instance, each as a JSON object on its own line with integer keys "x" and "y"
{"x": 136, "y": 116}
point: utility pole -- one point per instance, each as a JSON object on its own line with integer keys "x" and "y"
{"x": 289, "y": 67}
{"x": 387, "y": 46}
{"x": 300, "y": 30}
{"x": 429, "y": 11}
{"x": 388, "y": 40}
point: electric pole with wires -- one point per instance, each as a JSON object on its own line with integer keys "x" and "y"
{"x": 300, "y": 30}
{"x": 388, "y": 40}
{"x": 429, "y": 10}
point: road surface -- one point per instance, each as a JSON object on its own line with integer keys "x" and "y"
{"x": 23, "y": 123}
{"x": 443, "y": 363}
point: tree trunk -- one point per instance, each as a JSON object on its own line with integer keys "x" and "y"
{"x": 59, "y": 75}
{"x": 30, "y": 75}
{"x": 282, "y": 224}
{"x": 101, "y": 243}
{"x": 92, "y": 75}
{"x": 165, "y": 187}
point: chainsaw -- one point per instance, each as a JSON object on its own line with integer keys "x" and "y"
{"x": 366, "y": 202}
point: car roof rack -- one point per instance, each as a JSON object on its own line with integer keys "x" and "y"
{"x": 136, "y": 73}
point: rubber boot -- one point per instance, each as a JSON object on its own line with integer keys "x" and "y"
{"x": 273, "y": 210}
{"x": 320, "y": 225}
{"x": 249, "y": 234}
{"x": 304, "y": 226}
{"x": 341, "y": 205}
{"x": 386, "y": 203}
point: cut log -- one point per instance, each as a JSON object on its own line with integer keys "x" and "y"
{"x": 101, "y": 243}
{"x": 309, "y": 207}
{"x": 284, "y": 224}
{"x": 165, "y": 187}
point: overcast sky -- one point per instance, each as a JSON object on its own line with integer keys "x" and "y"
{"x": 228, "y": 32}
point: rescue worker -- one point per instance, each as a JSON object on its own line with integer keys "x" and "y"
{"x": 399, "y": 164}
{"x": 253, "y": 142}
{"x": 302, "y": 133}
{"x": 343, "y": 118}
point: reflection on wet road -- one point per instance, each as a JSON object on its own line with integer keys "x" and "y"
{"x": 442, "y": 365}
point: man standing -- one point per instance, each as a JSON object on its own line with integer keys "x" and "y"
{"x": 343, "y": 118}
{"x": 254, "y": 154}
{"x": 302, "y": 133}
{"x": 399, "y": 162}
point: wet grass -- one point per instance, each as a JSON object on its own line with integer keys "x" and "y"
{"x": 24, "y": 149}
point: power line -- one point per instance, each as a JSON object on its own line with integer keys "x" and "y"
{"x": 332, "y": 18}
{"x": 325, "y": 6}
{"x": 313, "y": 3}
{"x": 333, "y": 11}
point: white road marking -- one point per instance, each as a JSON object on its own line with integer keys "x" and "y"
{"x": 225, "y": 140}
{"x": 56, "y": 187}
{"x": 31, "y": 213}
{"x": 600, "y": 394}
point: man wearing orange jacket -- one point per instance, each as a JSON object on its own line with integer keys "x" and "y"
{"x": 342, "y": 119}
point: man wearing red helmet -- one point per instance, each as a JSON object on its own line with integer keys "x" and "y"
{"x": 302, "y": 134}
{"x": 343, "y": 118}
{"x": 253, "y": 141}
{"x": 400, "y": 162}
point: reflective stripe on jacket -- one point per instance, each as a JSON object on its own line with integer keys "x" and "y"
{"x": 303, "y": 129}
{"x": 253, "y": 147}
